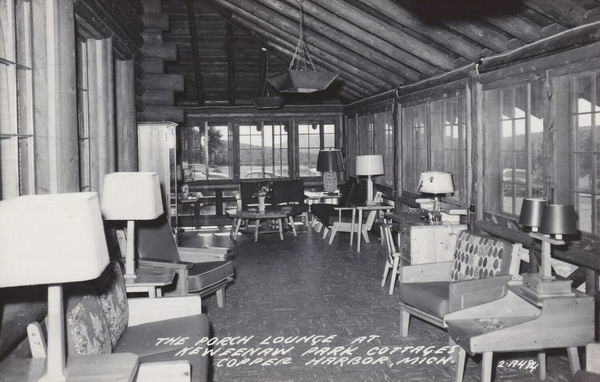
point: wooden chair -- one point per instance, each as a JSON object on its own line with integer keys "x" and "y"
{"x": 479, "y": 273}
{"x": 344, "y": 224}
{"x": 393, "y": 257}
{"x": 199, "y": 270}
{"x": 592, "y": 365}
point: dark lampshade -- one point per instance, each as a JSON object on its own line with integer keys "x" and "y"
{"x": 330, "y": 161}
{"x": 559, "y": 219}
{"x": 532, "y": 212}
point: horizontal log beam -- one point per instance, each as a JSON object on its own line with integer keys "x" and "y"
{"x": 436, "y": 33}
{"x": 420, "y": 56}
{"x": 165, "y": 51}
{"x": 566, "y": 12}
{"x": 163, "y": 82}
{"x": 162, "y": 113}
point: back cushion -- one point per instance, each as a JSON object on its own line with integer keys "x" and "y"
{"x": 358, "y": 197}
{"x": 287, "y": 191}
{"x": 478, "y": 257}
{"x": 113, "y": 300}
{"x": 155, "y": 240}
{"x": 87, "y": 329}
{"x": 346, "y": 191}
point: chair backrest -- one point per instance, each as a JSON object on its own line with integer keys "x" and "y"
{"x": 479, "y": 257}
{"x": 155, "y": 240}
{"x": 357, "y": 195}
{"x": 248, "y": 191}
{"x": 287, "y": 191}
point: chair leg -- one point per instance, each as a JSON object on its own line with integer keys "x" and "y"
{"x": 325, "y": 230}
{"x": 404, "y": 322}
{"x": 365, "y": 234}
{"x": 221, "y": 297}
{"x": 541, "y": 356}
{"x": 386, "y": 270}
{"x": 574, "y": 359}
{"x": 256, "y": 230}
{"x": 486, "y": 366}
{"x": 394, "y": 275}
{"x": 333, "y": 232}
{"x": 293, "y": 226}
{"x": 460, "y": 364}
{"x": 280, "y": 226}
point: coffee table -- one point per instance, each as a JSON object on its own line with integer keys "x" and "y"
{"x": 272, "y": 213}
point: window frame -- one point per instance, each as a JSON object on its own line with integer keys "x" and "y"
{"x": 320, "y": 123}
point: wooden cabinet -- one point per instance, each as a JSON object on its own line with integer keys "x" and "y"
{"x": 421, "y": 242}
{"x": 157, "y": 145}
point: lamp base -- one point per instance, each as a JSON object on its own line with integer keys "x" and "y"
{"x": 330, "y": 181}
{"x": 541, "y": 286}
{"x": 101, "y": 368}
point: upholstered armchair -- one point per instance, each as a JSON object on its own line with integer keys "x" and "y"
{"x": 479, "y": 273}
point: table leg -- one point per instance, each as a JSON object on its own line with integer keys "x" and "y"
{"x": 293, "y": 226}
{"x": 352, "y": 226}
{"x": 237, "y": 228}
{"x": 280, "y": 224}
{"x": 233, "y": 226}
{"x": 256, "y": 230}
{"x": 358, "y": 233}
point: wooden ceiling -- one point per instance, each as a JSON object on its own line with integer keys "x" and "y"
{"x": 375, "y": 45}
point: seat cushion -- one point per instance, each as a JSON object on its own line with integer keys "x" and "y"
{"x": 204, "y": 275}
{"x": 431, "y": 297}
{"x": 143, "y": 340}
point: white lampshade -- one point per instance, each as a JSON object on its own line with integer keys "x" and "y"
{"x": 131, "y": 196}
{"x": 369, "y": 165}
{"x": 436, "y": 182}
{"x": 51, "y": 239}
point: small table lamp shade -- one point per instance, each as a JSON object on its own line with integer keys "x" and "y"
{"x": 330, "y": 161}
{"x": 369, "y": 165}
{"x": 559, "y": 219}
{"x": 51, "y": 239}
{"x": 532, "y": 212}
{"x": 131, "y": 196}
{"x": 436, "y": 182}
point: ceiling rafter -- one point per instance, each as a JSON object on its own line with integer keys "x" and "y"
{"x": 566, "y": 12}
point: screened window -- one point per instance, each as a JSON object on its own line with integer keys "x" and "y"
{"x": 515, "y": 147}
{"x": 83, "y": 116}
{"x": 263, "y": 150}
{"x": 312, "y": 137}
{"x": 586, "y": 150}
{"x": 415, "y": 122}
{"x": 371, "y": 137}
{"x": 17, "y": 168}
{"x": 207, "y": 152}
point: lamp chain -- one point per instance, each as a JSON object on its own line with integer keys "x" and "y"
{"x": 302, "y": 59}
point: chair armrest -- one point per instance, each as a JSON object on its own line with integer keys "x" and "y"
{"x": 165, "y": 264}
{"x": 429, "y": 272}
{"x": 172, "y": 371}
{"x": 201, "y": 255}
{"x": 144, "y": 310}
{"x": 468, "y": 293}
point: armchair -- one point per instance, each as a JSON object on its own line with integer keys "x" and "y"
{"x": 353, "y": 193}
{"x": 346, "y": 223}
{"x": 479, "y": 273}
{"x": 290, "y": 192}
{"x": 198, "y": 271}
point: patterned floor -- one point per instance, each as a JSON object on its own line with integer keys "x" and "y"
{"x": 287, "y": 291}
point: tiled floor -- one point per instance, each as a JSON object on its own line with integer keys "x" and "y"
{"x": 303, "y": 287}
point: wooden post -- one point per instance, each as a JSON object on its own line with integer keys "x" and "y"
{"x": 126, "y": 116}
{"x": 230, "y": 63}
{"x": 476, "y": 92}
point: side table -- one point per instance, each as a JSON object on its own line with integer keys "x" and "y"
{"x": 150, "y": 280}
{"x": 372, "y": 212}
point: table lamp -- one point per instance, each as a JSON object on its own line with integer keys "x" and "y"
{"x": 532, "y": 212}
{"x": 54, "y": 239}
{"x": 369, "y": 165}
{"x": 131, "y": 196}
{"x": 557, "y": 220}
{"x": 329, "y": 162}
{"x": 436, "y": 183}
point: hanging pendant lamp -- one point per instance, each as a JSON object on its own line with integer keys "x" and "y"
{"x": 302, "y": 75}
{"x": 267, "y": 101}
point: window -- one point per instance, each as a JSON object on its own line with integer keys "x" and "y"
{"x": 83, "y": 116}
{"x": 515, "y": 143}
{"x": 449, "y": 142}
{"x": 415, "y": 122}
{"x": 586, "y": 150}
{"x": 388, "y": 153}
{"x": 264, "y": 150}
{"x": 312, "y": 137}
{"x": 371, "y": 137}
{"x": 17, "y": 169}
{"x": 207, "y": 152}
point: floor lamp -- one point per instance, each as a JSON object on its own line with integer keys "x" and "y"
{"x": 56, "y": 239}
{"x": 329, "y": 162}
{"x": 131, "y": 196}
{"x": 369, "y": 165}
